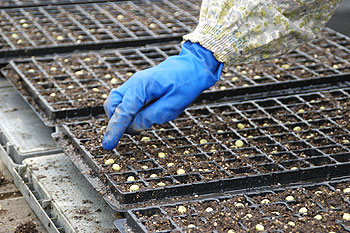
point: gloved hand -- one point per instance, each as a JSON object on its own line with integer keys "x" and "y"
{"x": 159, "y": 94}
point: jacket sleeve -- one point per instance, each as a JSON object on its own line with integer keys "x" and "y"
{"x": 247, "y": 30}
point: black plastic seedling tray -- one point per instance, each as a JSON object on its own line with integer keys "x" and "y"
{"x": 53, "y": 82}
{"x": 58, "y": 29}
{"x": 318, "y": 207}
{"x": 225, "y": 147}
{"x": 29, "y": 3}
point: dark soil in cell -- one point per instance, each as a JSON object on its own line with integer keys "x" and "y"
{"x": 27, "y": 227}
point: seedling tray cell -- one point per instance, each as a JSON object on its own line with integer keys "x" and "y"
{"x": 54, "y": 82}
{"x": 318, "y": 207}
{"x": 28, "y": 3}
{"x": 224, "y": 147}
{"x": 49, "y": 29}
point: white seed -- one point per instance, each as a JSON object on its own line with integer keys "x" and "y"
{"x": 114, "y": 80}
{"x": 186, "y": 152}
{"x": 130, "y": 178}
{"x": 248, "y": 216}
{"x": 318, "y": 192}
{"x": 20, "y": 42}
{"x": 292, "y": 224}
{"x": 335, "y": 66}
{"x": 191, "y": 226}
{"x": 322, "y": 108}
{"x": 202, "y": 141}
{"x": 22, "y": 21}
{"x": 346, "y": 216}
{"x": 109, "y": 161}
{"x": 31, "y": 71}
{"x": 239, "y": 205}
{"x": 145, "y": 139}
{"x": 301, "y": 111}
{"x": 152, "y": 25}
{"x": 285, "y": 66}
{"x": 79, "y": 72}
{"x": 144, "y": 167}
{"x": 259, "y": 227}
{"x": 134, "y": 188}
{"x": 53, "y": 94}
{"x": 170, "y": 164}
{"x": 297, "y": 129}
{"x": 60, "y": 38}
{"x": 181, "y": 209}
{"x": 116, "y": 167}
{"x": 256, "y": 77}
{"x": 220, "y": 131}
{"x": 222, "y": 88}
{"x": 180, "y": 171}
{"x": 346, "y": 190}
{"x": 230, "y": 231}
{"x": 239, "y": 143}
{"x": 346, "y": 141}
{"x": 289, "y": 198}
{"x": 293, "y": 168}
{"x": 161, "y": 155}
{"x": 265, "y": 201}
{"x": 25, "y": 25}
{"x": 153, "y": 176}
{"x": 120, "y": 17}
{"x": 209, "y": 209}
{"x": 104, "y": 96}
{"x": 129, "y": 74}
{"x": 234, "y": 79}
{"x": 161, "y": 184}
{"x": 302, "y": 210}
{"x": 87, "y": 59}
{"x": 318, "y": 217}
{"x": 108, "y": 76}
{"x": 14, "y": 36}
{"x": 240, "y": 126}
{"x": 53, "y": 68}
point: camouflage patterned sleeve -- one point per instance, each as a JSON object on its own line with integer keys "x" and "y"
{"x": 246, "y": 30}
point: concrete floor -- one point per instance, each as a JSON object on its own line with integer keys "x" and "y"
{"x": 14, "y": 209}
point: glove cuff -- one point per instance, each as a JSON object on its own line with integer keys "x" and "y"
{"x": 205, "y": 55}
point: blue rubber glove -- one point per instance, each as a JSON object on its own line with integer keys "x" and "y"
{"x": 161, "y": 93}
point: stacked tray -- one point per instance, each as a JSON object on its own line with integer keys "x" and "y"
{"x": 53, "y": 82}
{"x": 224, "y": 147}
{"x": 319, "y": 207}
{"x": 48, "y": 29}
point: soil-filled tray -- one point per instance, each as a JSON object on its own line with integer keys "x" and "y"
{"x": 320, "y": 207}
{"x": 77, "y": 84}
{"x": 48, "y": 29}
{"x": 223, "y": 147}
{"x": 28, "y": 3}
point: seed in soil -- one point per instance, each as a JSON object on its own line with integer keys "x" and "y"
{"x": 346, "y": 190}
{"x": 145, "y": 139}
{"x": 161, "y": 155}
{"x": 180, "y": 171}
{"x": 116, "y": 167}
{"x": 109, "y": 161}
{"x": 170, "y": 164}
{"x": 302, "y": 210}
{"x": 203, "y": 141}
{"x": 291, "y": 223}
{"x": 265, "y": 201}
{"x": 130, "y": 178}
{"x": 240, "y": 126}
{"x": 104, "y": 96}
{"x": 181, "y": 209}
{"x": 346, "y": 216}
{"x": 153, "y": 176}
{"x": 297, "y": 129}
{"x": 161, "y": 184}
{"x": 318, "y": 217}
{"x": 134, "y": 188}
{"x": 289, "y": 198}
{"x": 114, "y": 81}
{"x": 239, "y": 143}
{"x": 259, "y": 227}
{"x": 209, "y": 209}
{"x": 53, "y": 94}
{"x": 60, "y": 38}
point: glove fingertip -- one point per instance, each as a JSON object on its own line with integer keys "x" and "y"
{"x": 108, "y": 142}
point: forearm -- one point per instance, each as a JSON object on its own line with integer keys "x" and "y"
{"x": 244, "y": 30}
